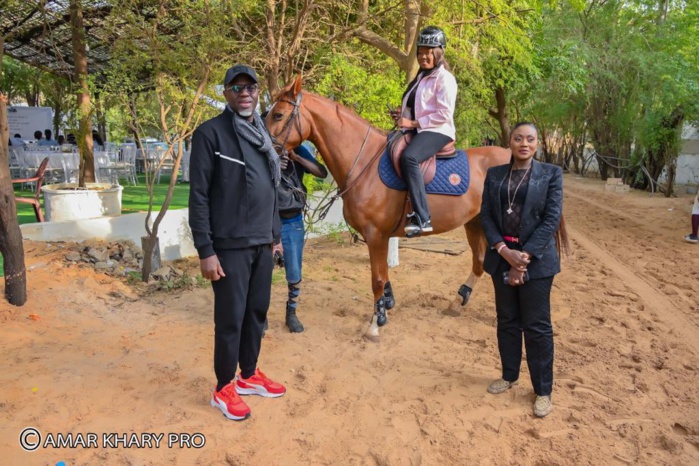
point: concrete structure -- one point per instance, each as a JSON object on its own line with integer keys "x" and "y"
{"x": 174, "y": 233}
{"x": 688, "y": 161}
{"x": 687, "y": 173}
{"x": 66, "y": 201}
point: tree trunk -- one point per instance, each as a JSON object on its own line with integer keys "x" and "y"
{"x": 670, "y": 178}
{"x": 405, "y": 58}
{"x": 101, "y": 118}
{"x": 11, "y": 246}
{"x": 274, "y": 64}
{"x": 58, "y": 113}
{"x": 500, "y": 114}
{"x": 151, "y": 256}
{"x": 84, "y": 139}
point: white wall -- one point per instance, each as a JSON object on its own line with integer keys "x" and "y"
{"x": 687, "y": 163}
{"x": 174, "y": 234}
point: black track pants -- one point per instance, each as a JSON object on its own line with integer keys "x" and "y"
{"x": 241, "y": 301}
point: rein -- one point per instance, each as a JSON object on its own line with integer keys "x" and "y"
{"x": 296, "y": 116}
{"x": 325, "y": 208}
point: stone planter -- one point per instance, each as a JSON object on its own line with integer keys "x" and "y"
{"x": 65, "y": 201}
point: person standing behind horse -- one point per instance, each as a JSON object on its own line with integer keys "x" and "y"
{"x": 233, "y": 214}
{"x": 521, "y": 214}
{"x": 293, "y": 232}
{"x": 427, "y": 109}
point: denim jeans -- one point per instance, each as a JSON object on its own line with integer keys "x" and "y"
{"x": 292, "y": 241}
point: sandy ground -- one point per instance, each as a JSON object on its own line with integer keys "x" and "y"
{"x": 99, "y": 357}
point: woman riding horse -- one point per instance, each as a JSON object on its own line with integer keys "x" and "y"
{"x": 428, "y": 110}
{"x": 351, "y": 149}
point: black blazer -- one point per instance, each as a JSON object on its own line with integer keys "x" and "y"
{"x": 540, "y": 218}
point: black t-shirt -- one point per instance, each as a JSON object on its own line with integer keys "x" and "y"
{"x": 511, "y": 221}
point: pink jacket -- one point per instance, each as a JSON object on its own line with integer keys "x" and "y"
{"x": 434, "y": 103}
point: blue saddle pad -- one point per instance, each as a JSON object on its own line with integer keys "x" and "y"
{"x": 451, "y": 179}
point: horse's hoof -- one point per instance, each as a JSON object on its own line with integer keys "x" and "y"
{"x": 454, "y": 309}
{"x": 465, "y": 293}
{"x": 390, "y": 303}
{"x": 372, "y": 333}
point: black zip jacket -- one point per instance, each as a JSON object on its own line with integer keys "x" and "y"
{"x": 232, "y": 198}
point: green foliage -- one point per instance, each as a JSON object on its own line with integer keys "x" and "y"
{"x": 133, "y": 278}
{"x": 363, "y": 85}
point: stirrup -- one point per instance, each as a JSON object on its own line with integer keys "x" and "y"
{"x": 416, "y": 226}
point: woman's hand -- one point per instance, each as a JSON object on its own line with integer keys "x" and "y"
{"x": 518, "y": 260}
{"x": 516, "y": 277}
{"x": 403, "y": 122}
{"x": 394, "y": 114}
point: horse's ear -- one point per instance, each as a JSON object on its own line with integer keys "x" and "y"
{"x": 297, "y": 85}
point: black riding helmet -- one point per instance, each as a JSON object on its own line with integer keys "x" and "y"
{"x": 432, "y": 36}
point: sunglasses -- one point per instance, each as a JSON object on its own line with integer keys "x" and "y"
{"x": 238, "y": 88}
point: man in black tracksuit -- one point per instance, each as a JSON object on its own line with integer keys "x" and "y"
{"x": 234, "y": 174}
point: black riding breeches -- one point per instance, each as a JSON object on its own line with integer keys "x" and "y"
{"x": 423, "y": 146}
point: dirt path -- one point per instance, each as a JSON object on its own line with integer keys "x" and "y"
{"x": 102, "y": 359}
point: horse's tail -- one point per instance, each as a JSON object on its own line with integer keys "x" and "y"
{"x": 562, "y": 242}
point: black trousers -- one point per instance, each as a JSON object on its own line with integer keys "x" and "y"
{"x": 525, "y": 309}
{"x": 423, "y": 146}
{"x": 241, "y": 301}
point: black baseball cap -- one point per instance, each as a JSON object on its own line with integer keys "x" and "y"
{"x": 233, "y": 73}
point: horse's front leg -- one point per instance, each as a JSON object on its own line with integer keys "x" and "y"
{"x": 378, "y": 254}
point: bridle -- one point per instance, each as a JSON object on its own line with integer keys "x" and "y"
{"x": 288, "y": 125}
{"x": 295, "y": 117}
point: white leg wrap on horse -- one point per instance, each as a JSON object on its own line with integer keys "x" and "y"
{"x": 372, "y": 332}
{"x": 393, "y": 252}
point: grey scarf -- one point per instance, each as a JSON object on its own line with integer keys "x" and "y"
{"x": 259, "y": 138}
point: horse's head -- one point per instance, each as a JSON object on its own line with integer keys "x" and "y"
{"x": 285, "y": 121}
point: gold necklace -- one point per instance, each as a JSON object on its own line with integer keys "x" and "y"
{"x": 511, "y": 201}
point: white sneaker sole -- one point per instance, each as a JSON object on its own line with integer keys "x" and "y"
{"x": 261, "y": 391}
{"x": 224, "y": 409}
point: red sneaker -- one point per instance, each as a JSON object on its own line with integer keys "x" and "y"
{"x": 259, "y": 384}
{"x": 230, "y": 403}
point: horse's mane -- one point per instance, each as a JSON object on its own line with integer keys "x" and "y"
{"x": 343, "y": 113}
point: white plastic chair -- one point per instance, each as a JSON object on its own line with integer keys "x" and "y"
{"x": 104, "y": 170}
{"x": 16, "y": 168}
{"x": 126, "y": 166}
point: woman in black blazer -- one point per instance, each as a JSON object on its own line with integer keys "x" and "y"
{"x": 523, "y": 225}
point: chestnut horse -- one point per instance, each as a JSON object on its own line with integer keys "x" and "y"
{"x": 351, "y": 149}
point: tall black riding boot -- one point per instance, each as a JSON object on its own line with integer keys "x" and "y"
{"x": 292, "y": 321}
